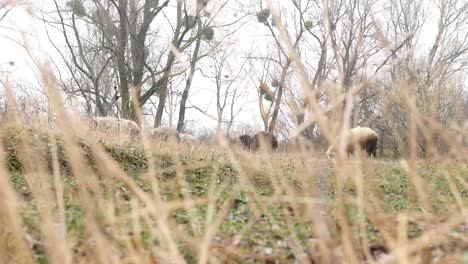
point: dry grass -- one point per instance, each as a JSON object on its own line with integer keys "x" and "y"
{"x": 81, "y": 196}
{"x": 74, "y": 195}
{"x": 71, "y": 199}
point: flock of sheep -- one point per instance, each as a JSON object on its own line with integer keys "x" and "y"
{"x": 362, "y": 137}
{"x": 129, "y": 126}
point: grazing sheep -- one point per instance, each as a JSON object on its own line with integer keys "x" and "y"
{"x": 115, "y": 124}
{"x": 265, "y": 140}
{"x": 247, "y": 141}
{"x": 165, "y": 133}
{"x": 362, "y": 137}
{"x": 188, "y": 139}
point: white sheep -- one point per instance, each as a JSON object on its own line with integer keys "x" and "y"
{"x": 362, "y": 137}
{"x": 165, "y": 133}
{"x": 115, "y": 124}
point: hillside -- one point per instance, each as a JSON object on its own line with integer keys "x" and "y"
{"x": 126, "y": 203}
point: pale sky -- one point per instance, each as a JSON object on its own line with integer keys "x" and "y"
{"x": 19, "y": 25}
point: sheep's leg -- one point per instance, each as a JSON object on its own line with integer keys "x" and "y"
{"x": 371, "y": 148}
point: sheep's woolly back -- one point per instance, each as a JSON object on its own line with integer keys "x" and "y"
{"x": 356, "y": 136}
{"x": 115, "y": 124}
{"x": 360, "y": 135}
{"x": 165, "y": 133}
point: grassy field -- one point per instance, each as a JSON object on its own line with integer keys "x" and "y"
{"x": 128, "y": 202}
{"x": 73, "y": 194}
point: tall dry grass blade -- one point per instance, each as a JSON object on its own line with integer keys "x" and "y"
{"x": 157, "y": 208}
{"x": 33, "y": 167}
{"x": 159, "y": 211}
{"x": 86, "y": 179}
{"x": 59, "y": 196}
{"x": 17, "y": 250}
{"x": 358, "y": 178}
{"x": 461, "y": 203}
{"x": 212, "y": 223}
{"x": 157, "y": 205}
{"x": 33, "y": 162}
{"x": 402, "y": 238}
{"x": 316, "y": 211}
{"x": 283, "y": 187}
{"x": 438, "y": 233}
{"x": 409, "y": 164}
{"x": 322, "y": 122}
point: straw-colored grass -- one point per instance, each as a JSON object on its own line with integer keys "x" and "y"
{"x": 218, "y": 204}
{"x": 76, "y": 195}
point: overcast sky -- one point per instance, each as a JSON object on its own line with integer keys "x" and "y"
{"x": 20, "y": 25}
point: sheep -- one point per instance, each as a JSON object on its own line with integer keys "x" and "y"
{"x": 363, "y": 137}
{"x": 265, "y": 140}
{"x": 246, "y": 141}
{"x": 115, "y": 124}
{"x": 188, "y": 139}
{"x": 165, "y": 133}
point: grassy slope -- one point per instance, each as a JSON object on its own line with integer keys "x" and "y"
{"x": 258, "y": 223}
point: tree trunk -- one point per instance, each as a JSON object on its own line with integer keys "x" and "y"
{"x": 163, "y": 90}
{"x": 188, "y": 84}
{"x": 163, "y": 82}
{"x": 121, "y": 65}
{"x": 161, "y": 104}
{"x": 100, "y": 111}
{"x": 318, "y": 77}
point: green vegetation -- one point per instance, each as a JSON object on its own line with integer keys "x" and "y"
{"x": 256, "y": 221}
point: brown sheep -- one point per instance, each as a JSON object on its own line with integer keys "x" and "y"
{"x": 363, "y": 137}
{"x": 247, "y": 141}
{"x": 265, "y": 140}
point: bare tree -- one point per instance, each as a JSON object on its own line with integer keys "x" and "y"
{"x": 173, "y": 100}
{"x": 435, "y": 78}
{"x": 86, "y": 67}
{"x": 193, "y": 62}
{"x": 123, "y": 29}
{"x": 205, "y": 32}
{"x": 284, "y": 60}
{"x": 352, "y": 57}
{"x": 229, "y": 84}
{"x": 354, "y": 44}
